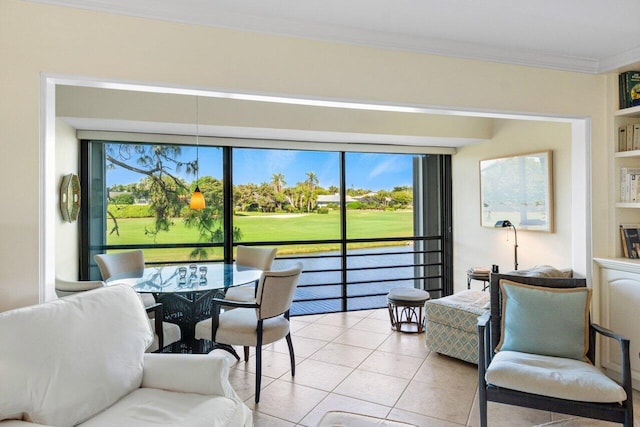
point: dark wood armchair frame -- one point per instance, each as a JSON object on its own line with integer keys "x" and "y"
{"x": 489, "y": 330}
{"x": 217, "y": 304}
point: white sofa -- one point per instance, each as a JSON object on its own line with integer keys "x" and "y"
{"x": 81, "y": 360}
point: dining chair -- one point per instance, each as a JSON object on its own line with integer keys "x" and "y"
{"x": 537, "y": 349}
{"x": 249, "y": 256}
{"x": 71, "y": 287}
{"x": 123, "y": 265}
{"x": 164, "y": 333}
{"x": 257, "y": 323}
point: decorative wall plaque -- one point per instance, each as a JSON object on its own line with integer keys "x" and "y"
{"x": 70, "y": 197}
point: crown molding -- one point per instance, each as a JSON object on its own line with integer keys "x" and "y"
{"x": 339, "y": 34}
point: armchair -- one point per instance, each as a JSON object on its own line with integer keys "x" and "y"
{"x": 536, "y": 349}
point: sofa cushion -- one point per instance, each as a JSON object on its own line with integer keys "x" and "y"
{"x": 459, "y": 310}
{"x": 147, "y": 407}
{"x": 63, "y": 361}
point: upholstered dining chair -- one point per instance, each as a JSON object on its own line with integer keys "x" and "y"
{"x": 249, "y": 256}
{"x": 71, "y": 287}
{"x": 164, "y": 333}
{"x": 257, "y": 323}
{"x": 123, "y": 265}
{"x": 537, "y": 349}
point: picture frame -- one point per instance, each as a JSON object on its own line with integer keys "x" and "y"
{"x": 518, "y": 188}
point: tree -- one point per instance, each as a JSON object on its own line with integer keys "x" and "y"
{"x": 402, "y": 197}
{"x": 210, "y": 220}
{"x": 278, "y": 182}
{"x": 311, "y": 196}
{"x": 156, "y": 163}
{"x": 244, "y": 196}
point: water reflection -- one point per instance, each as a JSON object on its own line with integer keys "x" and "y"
{"x": 323, "y": 285}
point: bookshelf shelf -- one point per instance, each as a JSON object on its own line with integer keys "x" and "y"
{"x": 628, "y": 205}
{"x": 628, "y": 112}
{"x": 632, "y": 153}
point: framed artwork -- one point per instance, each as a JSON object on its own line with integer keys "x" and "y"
{"x": 519, "y": 189}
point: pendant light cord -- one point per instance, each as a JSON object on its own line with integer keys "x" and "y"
{"x": 197, "y": 142}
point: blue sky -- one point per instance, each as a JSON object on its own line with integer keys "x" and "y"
{"x": 364, "y": 170}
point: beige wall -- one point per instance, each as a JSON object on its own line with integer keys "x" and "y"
{"x": 37, "y": 39}
{"x": 480, "y": 246}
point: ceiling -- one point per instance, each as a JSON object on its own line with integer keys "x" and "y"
{"x": 590, "y": 36}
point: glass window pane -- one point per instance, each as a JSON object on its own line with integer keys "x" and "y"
{"x": 379, "y": 195}
{"x": 277, "y": 193}
{"x": 148, "y": 189}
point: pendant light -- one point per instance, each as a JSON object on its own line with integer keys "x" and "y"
{"x": 197, "y": 199}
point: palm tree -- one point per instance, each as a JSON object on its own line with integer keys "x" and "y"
{"x": 278, "y": 182}
{"x": 312, "y": 197}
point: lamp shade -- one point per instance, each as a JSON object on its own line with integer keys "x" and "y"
{"x": 197, "y": 199}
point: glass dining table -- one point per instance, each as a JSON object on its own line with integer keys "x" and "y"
{"x": 186, "y": 291}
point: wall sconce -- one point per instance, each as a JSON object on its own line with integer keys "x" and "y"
{"x": 505, "y": 224}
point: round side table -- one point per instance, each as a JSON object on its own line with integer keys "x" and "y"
{"x": 481, "y": 277}
{"x": 406, "y": 309}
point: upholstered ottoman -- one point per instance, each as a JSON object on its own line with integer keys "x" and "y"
{"x": 451, "y": 324}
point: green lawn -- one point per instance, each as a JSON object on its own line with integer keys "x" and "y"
{"x": 273, "y": 227}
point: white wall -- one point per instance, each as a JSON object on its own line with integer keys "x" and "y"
{"x": 476, "y": 246}
{"x": 37, "y": 39}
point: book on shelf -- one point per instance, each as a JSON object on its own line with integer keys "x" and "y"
{"x": 622, "y": 138}
{"x": 629, "y": 137}
{"x": 629, "y": 185}
{"x": 629, "y": 89}
{"x": 630, "y": 238}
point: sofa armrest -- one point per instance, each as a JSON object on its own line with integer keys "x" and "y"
{"x": 206, "y": 374}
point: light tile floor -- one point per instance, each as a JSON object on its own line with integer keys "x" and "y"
{"x": 355, "y": 362}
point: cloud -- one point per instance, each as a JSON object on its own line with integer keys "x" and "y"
{"x": 278, "y": 161}
{"x": 390, "y": 164}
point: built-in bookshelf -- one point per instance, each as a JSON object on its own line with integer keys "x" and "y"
{"x": 627, "y": 196}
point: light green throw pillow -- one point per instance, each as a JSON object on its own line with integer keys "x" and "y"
{"x": 547, "y": 321}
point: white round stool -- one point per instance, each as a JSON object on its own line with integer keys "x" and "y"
{"x": 402, "y": 304}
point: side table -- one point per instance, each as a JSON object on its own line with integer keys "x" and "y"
{"x": 480, "y": 275}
